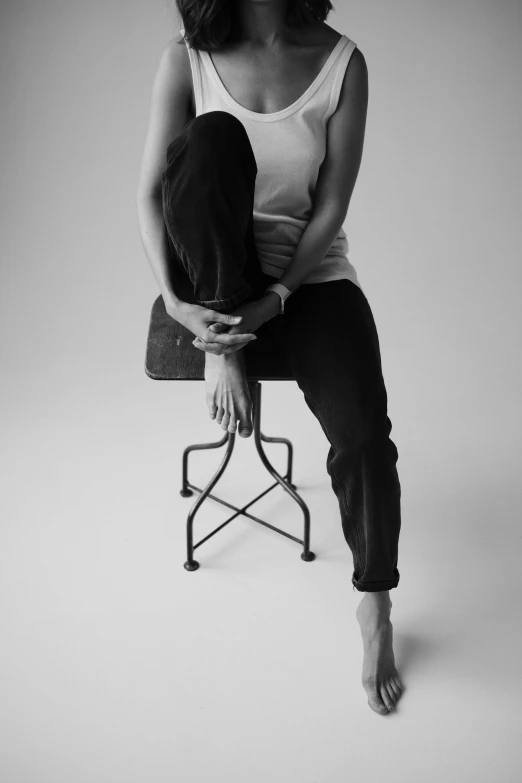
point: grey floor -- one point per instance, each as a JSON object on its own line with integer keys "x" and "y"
{"x": 119, "y": 665}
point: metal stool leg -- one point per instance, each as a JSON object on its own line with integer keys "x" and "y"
{"x": 255, "y": 392}
{"x": 185, "y": 492}
{"x": 267, "y": 439}
{"x": 191, "y": 564}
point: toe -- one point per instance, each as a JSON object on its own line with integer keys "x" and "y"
{"x": 377, "y": 705}
{"x": 398, "y": 682}
{"x": 225, "y": 420}
{"x": 219, "y": 415}
{"x": 394, "y": 688}
{"x": 374, "y": 699}
{"x": 393, "y": 696}
{"x": 245, "y": 425}
{"x": 212, "y": 409}
{"x": 232, "y": 424}
{"x": 386, "y": 697}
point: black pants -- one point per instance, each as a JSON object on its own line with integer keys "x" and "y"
{"x": 327, "y": 334}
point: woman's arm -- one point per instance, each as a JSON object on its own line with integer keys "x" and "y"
{"x": 168, "y": 114}
{"x": 337, "y": 176}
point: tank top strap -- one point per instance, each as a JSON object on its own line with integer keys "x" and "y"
{"x": 195, "y": 67}
{"x": 336, "y": 75}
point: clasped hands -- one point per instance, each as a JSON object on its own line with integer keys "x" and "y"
{"x": 223, "y": 333}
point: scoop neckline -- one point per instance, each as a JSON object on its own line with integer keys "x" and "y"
{"x": 275, "y": 115}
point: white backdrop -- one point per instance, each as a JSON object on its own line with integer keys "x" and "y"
{"x": 91, "y": 557}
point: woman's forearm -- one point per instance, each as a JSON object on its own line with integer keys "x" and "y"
{"x": 316, "y": 240}
{"x": 153, "y": 232}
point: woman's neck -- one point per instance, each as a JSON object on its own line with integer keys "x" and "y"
{"x": 262, "y": 23}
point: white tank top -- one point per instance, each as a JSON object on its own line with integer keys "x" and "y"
{"x": 289, "y": 147}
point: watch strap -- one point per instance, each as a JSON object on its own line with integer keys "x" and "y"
{"x": 282, "y": 291}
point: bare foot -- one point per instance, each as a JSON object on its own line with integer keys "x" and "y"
{"x": 228, "y": 398}
{"x": 380, "y": 678}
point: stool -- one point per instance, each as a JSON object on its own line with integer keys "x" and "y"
{"x": 171, "y": 356}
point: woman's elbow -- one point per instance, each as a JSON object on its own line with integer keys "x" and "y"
{"x": 148, "y": 192}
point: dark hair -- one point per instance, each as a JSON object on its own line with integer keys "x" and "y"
{"x": 209, "y": 23}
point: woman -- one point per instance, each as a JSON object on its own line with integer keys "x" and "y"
{"x": 260, "y": 110}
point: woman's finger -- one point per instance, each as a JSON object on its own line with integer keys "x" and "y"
{"x": 208, "y": 347}
{"x": 215, "y": 348}
{"x": 235, "y": 339}
{"x": 226, "y": 318}
{"x": 211, "y": 347}
{"x": 230, "y": 348}
{"x": 231, "y": 339}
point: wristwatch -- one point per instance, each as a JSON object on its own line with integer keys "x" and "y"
{"x": 283, "y": 292}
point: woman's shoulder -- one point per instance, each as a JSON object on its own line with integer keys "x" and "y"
{"x": 334, "y": 36}
{"x": 320, "y": 34}
{"x": 175, "y": 55}
{"x": 174, "y": 70}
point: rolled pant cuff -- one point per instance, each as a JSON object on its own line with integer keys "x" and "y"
{"x": 229, "y": 302}
{"x": 374, "y": 587}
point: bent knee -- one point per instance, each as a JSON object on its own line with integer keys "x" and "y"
{"x": 214, "y": 142}
{"x": 216, "y": 125}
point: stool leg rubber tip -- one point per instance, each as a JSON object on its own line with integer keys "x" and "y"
{"x": 185, "y": 493}
{"x": 307, "y": 556}
{"x": 193, "y": 566}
